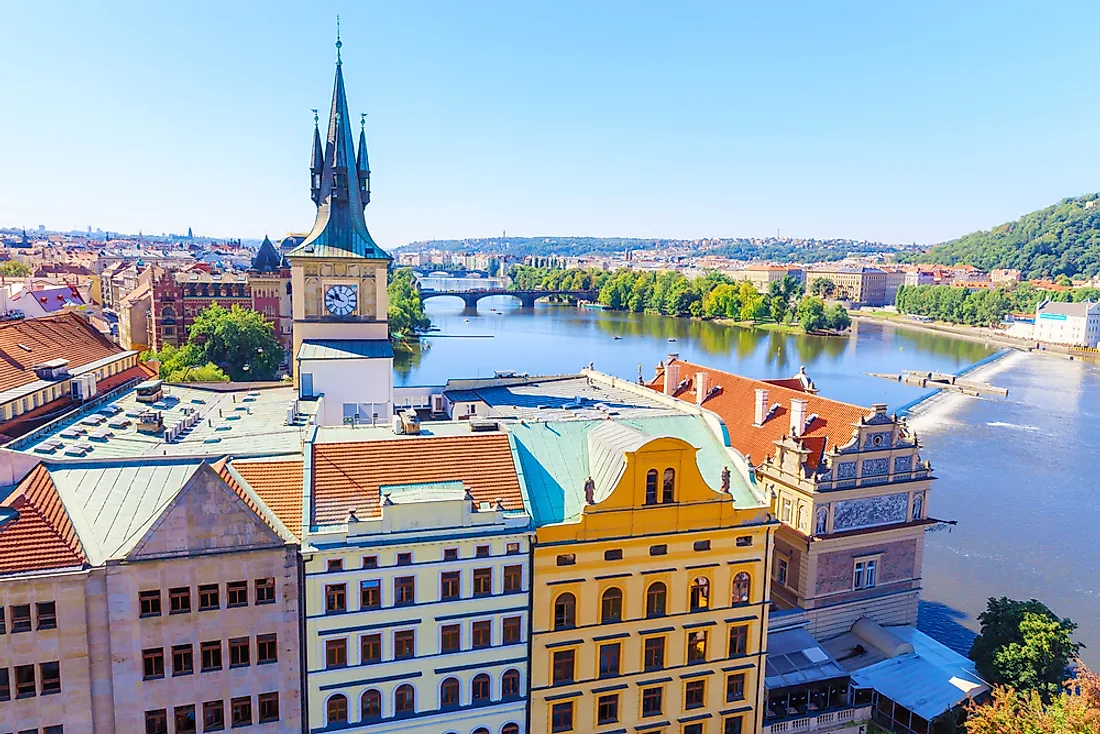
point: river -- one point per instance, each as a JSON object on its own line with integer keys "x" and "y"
{"x": 1019, "y": 475}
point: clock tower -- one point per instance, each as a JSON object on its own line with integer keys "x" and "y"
{"x": 338, "y": 280}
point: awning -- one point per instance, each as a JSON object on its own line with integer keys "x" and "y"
{"x": 795, "y": 658}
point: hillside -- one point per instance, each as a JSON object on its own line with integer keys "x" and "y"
{"x": 1063, "y": 239}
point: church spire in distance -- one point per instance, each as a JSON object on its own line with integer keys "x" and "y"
{"x": 340, "y": 184}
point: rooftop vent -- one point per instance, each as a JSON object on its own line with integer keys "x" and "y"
{"x": 483, "y": 425}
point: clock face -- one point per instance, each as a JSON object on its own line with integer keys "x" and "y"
{"x": 340, "y": 300}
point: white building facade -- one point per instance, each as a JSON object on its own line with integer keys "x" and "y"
{"x": 417, "y": 620}
{"x": 1075, "y": 324}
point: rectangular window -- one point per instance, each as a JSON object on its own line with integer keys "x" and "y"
{"x": 21, "y": 618}
{"x": 652, "y": 700}
{"x": 483, "y": 581}
{"x": 607, "y": 709}
{"x": 696, "y": 728}
{"x": 211, "y": 654}
{"x": 739, "y": 638}
{"x": 208, "y": 597}
{"x": 482, "y": 551}
{"x": 511, "y": 630}
{"x": 404, "y": 644}
{"x": 267, "y": 649}
{"x": 615, "y": 554}
{"x": 183, "y": 660}
{"x": 450, "y": 554}
{"x": 24, "y": 681}
{"x": 695, "y": 694}
{"x": 697, "y": 646}
{"x": 269, "y": 707}
{"x": 733, "y": 725}
{"x": 781, "y": 571}
{"x": 336, "y": 653}
{"x": 512, "y": 549}
{"x": 50, "y": 675}
{"x": 241, "y": 711}
{"x": 334, "y": 564}
{"x": 450, "y": 584}
{"x": 5, "y": 685}
{"x": 735, "y": 687}
{"x": 654, "y": 655}
{"x": 869, "y": 574}
{"x": 236, "y": 594}
{"x": 265, "y": 591}
{"x": 239, "y": 655}
{"x": 47, "y": 615}
{"x": 743, "y": 541}
{"x": 786, "y": 509}
{"x": 701, "y": 545}
{"x": 610, "y": 654}
{"x": 336, "y": 598}
{"x": 404, "y": 590}
{"x": 567, "y": 559}
{"x": 3, "y": 614}
{"x": 179, "y": 600}
{"x": 561, "y": 717}
{"x": 152, "y": 663}
{"x": 185, "y": 719}
{"x": 563, "y": 666}
{"x": 450, "y": 638}
{"x": 156, "y": 722}
{"x": 370, "y": 561}
{"x": 370, "y": 648}
{"x": 658, "y": 550}
{"x": 404, "y": 559}
{"x": 513, "y": 579}
{"x": 857, "y": 576}
{"x": 482, "y": 633}
{"x": 370, "y": 594}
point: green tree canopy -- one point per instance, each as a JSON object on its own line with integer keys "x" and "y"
{"x": 15, "y": 269}
{"x": 811, "y": 315}
{"x": 1074, "y": 710}
{"x": 240, "y": 341}
{"x": 184, "y": 364}
{"x": 405, "y": 312}
{"x": 1024, "y": 645}
{"x": 822, "y": 287}
{"x": 837, "y": 317}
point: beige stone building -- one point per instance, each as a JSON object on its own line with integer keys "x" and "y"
{"x": 156, "y": 596}
{"x": 858, "y": 284}
{"x": 762, "y": 276}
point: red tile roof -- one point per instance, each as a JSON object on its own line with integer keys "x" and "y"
{"x": 42, "y": 536}
{"x": 221, "y": 467}
{"x": 279, "y": 485}
{"x": 348, "y": 475}
{"x": 24, "y": 344}
{"x": 735, "y": 402}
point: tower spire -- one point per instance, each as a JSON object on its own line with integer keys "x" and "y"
{"x": 362, "y": 163}
{"x": 316, "y": 162}
{"x": 338, "y": 44}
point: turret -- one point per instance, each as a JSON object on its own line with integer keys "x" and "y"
{"x": 316, "y": 163}
{"x": 362, "y": 163}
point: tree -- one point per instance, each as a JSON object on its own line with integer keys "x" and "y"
{"x": 1075, "y": 710}
{"x": 185, "y": 364}
{"x": 15, "y": 269}
{"x": 240, "y": 341}
{"x": 811, "y": 315}
{"x": 1024, "y": 645}
{"x": 405, "y": 312}
{"x": 822, "y": 287}
{"x": 838, "y": 318}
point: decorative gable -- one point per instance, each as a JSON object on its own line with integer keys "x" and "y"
{"x": 206, "y": 516}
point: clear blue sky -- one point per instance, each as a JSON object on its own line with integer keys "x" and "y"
{"x": 899, "y": 121}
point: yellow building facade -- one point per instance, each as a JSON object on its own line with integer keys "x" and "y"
{"x": 649, "y": 610}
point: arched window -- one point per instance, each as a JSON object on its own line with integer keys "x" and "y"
{"x": 510, "y": 728}
{"x": 337, "y": 709}
{"x": 168, "y": 312}
{"x": 448, "y": 693}
{"x": 742, "y": 588}
{"x": 565, "y": 612}
{"x": 655, "y": 597}
{"x": 404, "y": 700}
{"x": 509, "y": 683}
{"x": 651, "y": 487}
{"x": 611, "y": 606}
{"x": 371, "y": 705}
{"x": 481, "y": 730}
{"x": 822, "y": 520}
{"x": 481, "y": 688}
{"x": 800, "y": 521}
{"x": 668, "y": 492}
{"x": 700, "y": 594}
{"x": 918, "y": 506}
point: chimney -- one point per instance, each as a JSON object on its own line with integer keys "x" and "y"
{"x": 879, "y": 408}
{"x": 761, "y": 406}
{"x": 672, "y": 376}
{"x": 798, "y": 416}
{"x": 701, "y": 387}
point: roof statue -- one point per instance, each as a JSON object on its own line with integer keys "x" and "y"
{"x": 340, "y": 185}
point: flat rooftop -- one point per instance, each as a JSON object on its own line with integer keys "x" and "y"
{"x": 245, "y": 422}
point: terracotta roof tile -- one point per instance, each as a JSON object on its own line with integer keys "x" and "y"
{"x": 42, "y": 536}
{"x": 735, "y": 402}
{"x": 65, "y": 335}
{"x": 279, "y": 485}
{"x": 348, "y": 475}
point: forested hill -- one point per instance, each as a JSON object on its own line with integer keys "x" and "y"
{"x": 1063, "y": 239}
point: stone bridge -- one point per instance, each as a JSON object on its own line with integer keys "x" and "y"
{"x": 526, "y": 298}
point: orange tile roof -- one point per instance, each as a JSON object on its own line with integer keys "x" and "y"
{"x": 64, "y": 335}
{"x": 279, "y": 485}
{"x": 348, "y": 475}
{"x": 221, "y": 467}
{"x": 42, "y": 536}
{"x": 735, "y": 403}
